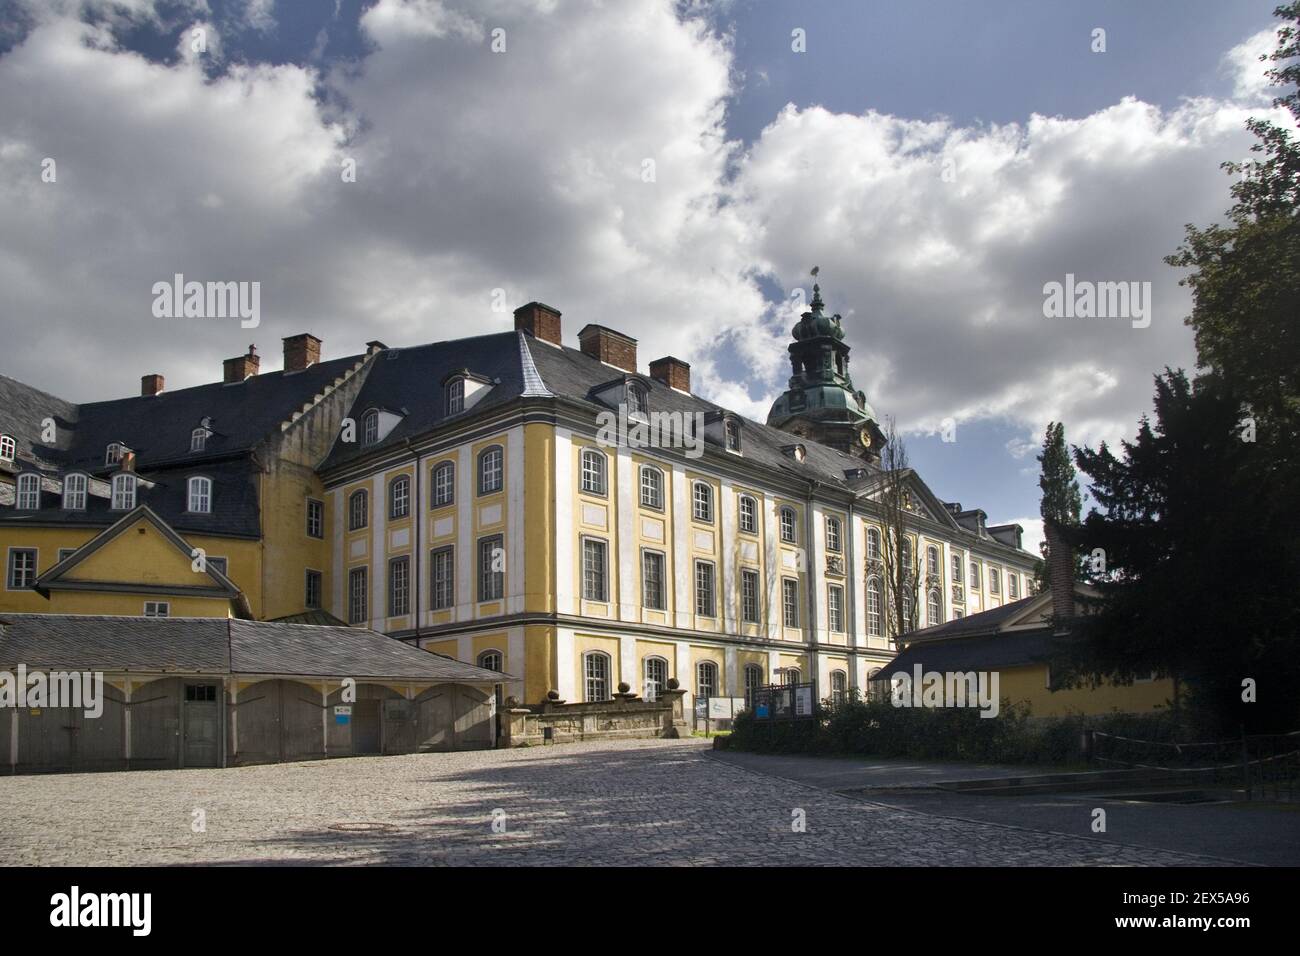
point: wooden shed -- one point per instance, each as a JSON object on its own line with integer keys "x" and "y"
{"x": 213, "y": 692}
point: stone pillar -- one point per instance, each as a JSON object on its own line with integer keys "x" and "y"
{"x": 676, "y": 720}
{"x": 514, "y": 726}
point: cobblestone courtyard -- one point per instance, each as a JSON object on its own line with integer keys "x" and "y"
{"x": 625, "y": 803}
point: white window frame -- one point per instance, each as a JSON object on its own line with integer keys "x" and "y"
{"x": 789, "y": 525}
{"x": 653, "y": 684}
{"x": 835, "y": 608}
{"x": 358, "y": 597}
{"x": 359, "y": 516}
{"x": 157, "y": 609}
{"x": 702, "y": 501}
{"x": 834, "y": 535}
{"x": 755, "y": 677}
{"x": 707, "y": 682}
{"x": 113, "y": 453}
{"x": 648, "y": 557}
{"x": 790, "y": 602}
{"x": 123, "y": 492}
{"x": 399, "y": 498}
{"x": 491, "y": 583}
{"x": 319, "y": 511}
{"x": 595, "y": 575}
{"x": 873, "y": 544}
{"x": 399, "y": 587}
{"x": 11, "y": 565}
{"x": 934, "y": 607}
{"x": 875, "y": 615}
{"x": 370, "y": 428}
{"x": 747, "y": 601}
{"x": 731, "y": 435}
{"x": 454, "y": 397}
{"x": 27, "y": 492}
{"x": 655, "y": 486}
{"x": 198, "y": 491}
{"x": 706, "y": 588}
{"x": 748, "y": 523}
{"x": 491, "y": 470}
{"x": 596, "y": 687}
{"x": 442, "y": 594}
{"x": 199, "y": 439}
{"x": 8, "y": 448}
{"x": 443, "y": 484}
{"x": 594, "y": 469}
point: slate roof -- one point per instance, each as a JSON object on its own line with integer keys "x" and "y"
{"x": 985, "y": 622}
{"x": 220, "y": 646}
{"x": 518, "y": 364}
{"x": 157, "y": 428}
{"x": 980, "y": 652}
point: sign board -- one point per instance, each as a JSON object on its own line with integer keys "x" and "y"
{"x": 701, "y": 707}
{"x": 724, "y": 708}
{"x": 785, "y": 701}
{"x": 342, "y": 714}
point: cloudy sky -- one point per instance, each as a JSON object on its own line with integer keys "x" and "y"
{"x": 940, "y": 162}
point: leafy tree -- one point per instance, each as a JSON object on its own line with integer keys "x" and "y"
{"x": 1060, "y": 504}
{"x": 902, "y": 566}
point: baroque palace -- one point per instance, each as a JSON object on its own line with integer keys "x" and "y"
{"x": 458, "y": 496}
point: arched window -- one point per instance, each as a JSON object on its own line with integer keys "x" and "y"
{"x": 873, "y": 544}
{"x": 455, "y": 396}
{"x": 956, "y": 569}
{"x": 789, "y": 526}
{"x": 932, "y": 561}
{"x": 444, "y": 484}
{"x": 113, "y": 453}
{"x": 123, "y": 492}
{"x": 905, "y": 553}
{"x": 74, "y": 492}
{"x": 1013, "y": 585}
{"x": 876, "y": 688}
{"x": 655, "y": 677}
{"x": 491, "y": 660}
{"x": 907, "y": 623}
{"x": 595, "y": 668}
{"x": 370, "y": 428}
{"x": 399, "y": 497}
{"x": 754, "y": 678}
{"x": 637, "y": 399}
{"x": 875, "y": 607}
{"x": 706, "y": 679}
{"x": 198, "y": 439}
{"x": 832, "y": 534}
{"x": 491, "y": 470}
{"x": 995, "y": 581}
{"x": 8, "y": 448}
{"x": 593, "y": 472}
{"x": 652, "y": 487}
{"x": 702, "y": 501}
{"x": 748, "y": 514}
{"x": 933, "y": 608}
{"x": 839, "y": 687}
{"x": 975, "y": 575}
{"x": 792, "y": 675}
{"x": 732, "y": 428}
{"x": 199, "y": 495}
{"x": 29, "y": 492}
{"x": 358, "y": 510}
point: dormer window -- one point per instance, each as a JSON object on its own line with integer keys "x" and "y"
{"x": 638, "y": 401}
{"x": 29, "y": 492}
{"x": 455, "y": 396}
{"x": 199, "y": 493}
{"x": 8, "y": 448}
{"x": 732, "y": 430}
{"x": 113, "y": 454}
{"x": 370, "y": 428}
{"x": 74, "y": 492}
{"x": 123, "y": 492}
{"x": 199, "y": 439}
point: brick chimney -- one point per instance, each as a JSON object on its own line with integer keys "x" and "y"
{"x": 241, "y": 366}
{"x": 612, "y": 348}
{"x": 151, "y": 384}
{"x": 540, "y": 321}
{"x": 1060, "y": 575}
{"x": 672, "y": 372}
{"x": 301, "y": 351}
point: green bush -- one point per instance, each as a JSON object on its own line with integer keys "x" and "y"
{"x": 878, "y": 728}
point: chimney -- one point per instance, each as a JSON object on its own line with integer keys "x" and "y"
{"x": 672, "y": 372}
{"x": 612, "y": 348}
{"x": 241, "y": 366}
{"x": 301, "y": 351}
{"x": 1060, "y": 575}
{"x": 151, "y": 384}
{"x": 539, "y": 321}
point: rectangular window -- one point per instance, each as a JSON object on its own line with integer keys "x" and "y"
{"x": 66, "y": 552}
{"x": 835, "y": 607}
{"x": 833, "y": 535}
{"x": 74, "y": 492}
{"x": 790, "y": 601}
{"x": 218, "y": 564}
{"x": 704, "y": 590}
{"x": 975, "y": 575}
{"x": 444, "y": 484}
{"x": 748, "y": 515}
{"x": 652, "y": 580}
{"x": 442, "y": 566}
{"x": 157, "y": 609}
{"x": 358, "y": 596}
{"x": 594, "y": 583}
{"x": 315, "y": 518}
{"x": 749, "y": 596}
{"x": 200, "y": 693}
{"x": 491, "y": 568}
{"x": 22, "y": 568}
{"x": 652, "y": 488}
{"x": 399, "y": 586}
{"x": 311, "y": 590}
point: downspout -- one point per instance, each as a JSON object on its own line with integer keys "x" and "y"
{"x": 417, "y": 514}
{"x": 261, "y": 535}
{"x": 850, "y": 596}
{"x": 810, "y": 562}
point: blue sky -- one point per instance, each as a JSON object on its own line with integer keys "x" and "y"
{"x": 522, "y": 170}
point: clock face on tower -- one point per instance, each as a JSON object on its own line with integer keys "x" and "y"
{"x": 864, "y": 436}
